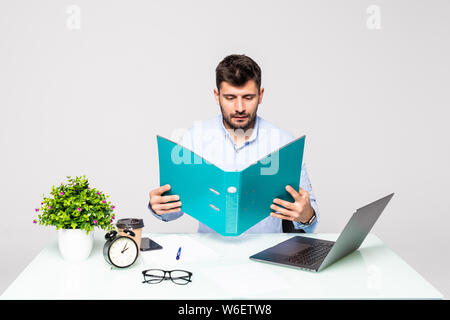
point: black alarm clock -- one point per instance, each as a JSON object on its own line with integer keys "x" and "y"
{"x": 120, "y": 251}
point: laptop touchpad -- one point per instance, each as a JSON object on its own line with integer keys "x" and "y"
{"x": 290, "y": 247}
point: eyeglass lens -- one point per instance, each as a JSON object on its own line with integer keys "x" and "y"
{"x": 154, "y": 276}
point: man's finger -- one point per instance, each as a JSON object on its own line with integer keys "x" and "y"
{"x": 293, "y": 193}
{"x": 280, "y": 216}
{"x": 162, "y": 189}
{"x": 283, "y": 211}
{"x": 167, "y": 206}
{"x": 286, "y": 204}
{"x": 159, "y": 191}
{"x": 303, "y": 192}
{"x": 168, "y": 211}
{"x": 165, "y": 199}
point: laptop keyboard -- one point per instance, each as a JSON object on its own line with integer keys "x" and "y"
{"x": 311, "y": 255}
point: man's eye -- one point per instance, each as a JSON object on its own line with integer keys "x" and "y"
{"x": 249, "y": 98}
{"x": 229, "y": 98}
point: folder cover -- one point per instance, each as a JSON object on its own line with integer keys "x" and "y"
{"x": 229, "y": 202}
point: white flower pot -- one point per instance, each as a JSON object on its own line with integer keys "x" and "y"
{"x": 74, "y": 244}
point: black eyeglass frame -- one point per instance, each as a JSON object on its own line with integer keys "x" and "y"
{"x": 156, "y": 277}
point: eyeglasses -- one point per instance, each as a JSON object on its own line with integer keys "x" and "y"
{"x": 154, "y": 276}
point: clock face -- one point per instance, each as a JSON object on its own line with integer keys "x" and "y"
{"x": 123, "y": 252}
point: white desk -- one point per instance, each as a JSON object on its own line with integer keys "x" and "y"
{"x": 222, "y": 270}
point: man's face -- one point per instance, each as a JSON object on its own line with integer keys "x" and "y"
{"x": 239, "y": 104}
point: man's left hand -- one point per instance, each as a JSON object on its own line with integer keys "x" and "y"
{"x": 300, "y": 210}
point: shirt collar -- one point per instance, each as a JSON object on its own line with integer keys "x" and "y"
{"x": 252, "y": 137}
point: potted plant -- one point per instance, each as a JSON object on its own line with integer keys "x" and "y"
{"x": 75, "y": 209}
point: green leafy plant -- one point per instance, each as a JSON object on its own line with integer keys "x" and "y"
{"x": 74, "y": 205}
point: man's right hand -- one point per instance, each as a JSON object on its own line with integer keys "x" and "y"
{"x": 164, "y": 204}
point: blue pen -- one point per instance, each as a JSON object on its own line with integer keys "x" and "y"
{"x": 178, "y": 254}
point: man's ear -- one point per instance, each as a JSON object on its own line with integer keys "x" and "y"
{"x": 261, "y": 93}
{"x": 216, "y": 95}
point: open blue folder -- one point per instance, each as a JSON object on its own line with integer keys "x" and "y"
{"x": 229, "y": 202}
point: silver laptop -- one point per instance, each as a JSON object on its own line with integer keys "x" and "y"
{"x": 316, "y": 254}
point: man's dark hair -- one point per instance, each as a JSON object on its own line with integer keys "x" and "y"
{"x": 237, "y": 69}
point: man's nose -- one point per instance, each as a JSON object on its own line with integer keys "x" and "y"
{"x": 240, "y": 105}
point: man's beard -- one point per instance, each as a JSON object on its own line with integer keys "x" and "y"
{"x": 228, "y": 120}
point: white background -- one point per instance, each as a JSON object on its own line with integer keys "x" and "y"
{"x": 87, "y": 96}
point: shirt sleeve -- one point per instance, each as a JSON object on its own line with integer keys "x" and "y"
{"x": 305, "y": 184}
{"x": 186, "y": 141}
